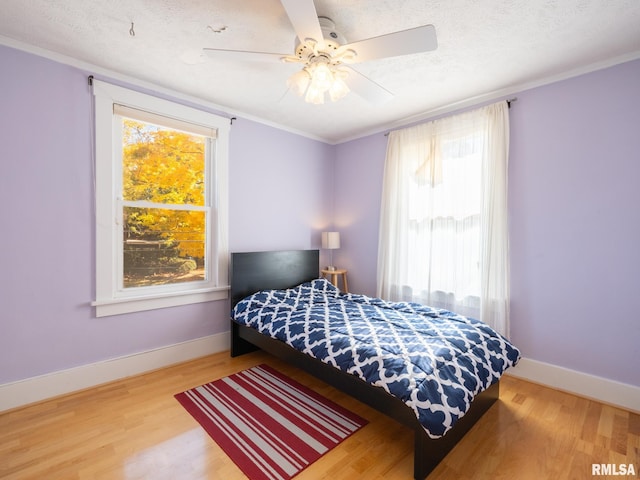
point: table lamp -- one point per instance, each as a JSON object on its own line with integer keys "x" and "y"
{"x": 330, "y": 241}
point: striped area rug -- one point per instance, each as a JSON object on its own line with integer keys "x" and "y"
{"x": 271, "y": 426}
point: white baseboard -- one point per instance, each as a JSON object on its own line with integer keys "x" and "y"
{"x": 596, "y": 388}
{"x": 35, "y": 389}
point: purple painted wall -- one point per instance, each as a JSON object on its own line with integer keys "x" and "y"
{"x": 574, "y": 221}
{"x": 47, "y": 239}
{"x": 358, "y": 190}
{"x": 280, "y": 194}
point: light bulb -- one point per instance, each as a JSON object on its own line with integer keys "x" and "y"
{"x": 314, "y": 95}
{"x": 322, "y": 78}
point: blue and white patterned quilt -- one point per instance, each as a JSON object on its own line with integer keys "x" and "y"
{"x": 435, "y": 361}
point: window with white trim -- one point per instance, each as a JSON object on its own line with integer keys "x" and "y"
{"x": 161, "y": 173}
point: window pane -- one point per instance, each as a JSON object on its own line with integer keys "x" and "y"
{"x": 444, "y": 224}
{"x": 163, "y": 246}
{"x": 162, "y": 165}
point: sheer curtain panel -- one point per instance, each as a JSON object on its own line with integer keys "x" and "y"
{"x": 443, "y": 227}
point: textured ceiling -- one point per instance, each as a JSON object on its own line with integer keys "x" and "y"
{"x": 484, "y": 48}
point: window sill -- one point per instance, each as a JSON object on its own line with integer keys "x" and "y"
{"x": 118, "y": 306}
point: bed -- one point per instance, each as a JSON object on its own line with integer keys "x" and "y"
{"x": 278, "y": 301}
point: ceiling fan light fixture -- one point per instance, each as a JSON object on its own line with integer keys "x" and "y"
{"x": 321, "y": 76}
{"x": 316, "y": 79}
{"x": 339, "y": 89}
{"x": 299, "y": 82}
{"x": 314, "y": 96}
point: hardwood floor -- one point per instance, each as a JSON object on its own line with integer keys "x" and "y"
{"x": 135, "y": 429}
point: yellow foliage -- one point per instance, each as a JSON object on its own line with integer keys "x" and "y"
{"x": 165, "y": 166}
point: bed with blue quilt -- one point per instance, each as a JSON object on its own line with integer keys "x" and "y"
{"x": 428, "y": 368}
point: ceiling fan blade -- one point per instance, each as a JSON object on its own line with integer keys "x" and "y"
{"x": 405, "y": 42}
{"x": 367, "y": 88}
{"x": 243, "y": 55}
{"x": 303, "y": 17}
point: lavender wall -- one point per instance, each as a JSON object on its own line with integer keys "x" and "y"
{"x": 280, "y": 189}
{"x": 47, "y": 251}
{"x": 358, "y": 190}
{"x": 574, "y": 221}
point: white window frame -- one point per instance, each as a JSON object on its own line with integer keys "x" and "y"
{"x": 111, "y": 299}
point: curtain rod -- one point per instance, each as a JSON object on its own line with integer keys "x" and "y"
{"x": 509, "y": 102}
{"x": 231, "y": 119}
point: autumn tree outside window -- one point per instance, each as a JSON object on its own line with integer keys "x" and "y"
{"x": 161, "y": 202}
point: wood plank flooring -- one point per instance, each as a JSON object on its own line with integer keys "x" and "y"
{"x": 135, "y": 429}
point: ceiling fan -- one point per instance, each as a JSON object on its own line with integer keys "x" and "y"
{"x": 326, "y": 56}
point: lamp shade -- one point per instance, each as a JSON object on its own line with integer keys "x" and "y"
{"x": 299, "y": 81}
{"x": 330, "y": 240}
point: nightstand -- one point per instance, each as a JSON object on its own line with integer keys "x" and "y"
{"x": 332, "y": 275}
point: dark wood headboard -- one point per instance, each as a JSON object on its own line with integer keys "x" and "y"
{"x": 254, "y": 271}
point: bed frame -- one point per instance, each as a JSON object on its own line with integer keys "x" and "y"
{"x": 255, "y": 271}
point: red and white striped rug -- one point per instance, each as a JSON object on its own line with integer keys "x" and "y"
{"x": 271, "y": 426}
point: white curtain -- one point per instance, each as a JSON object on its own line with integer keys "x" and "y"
{"x": 443, "y": 227}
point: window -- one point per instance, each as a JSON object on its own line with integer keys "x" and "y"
{"x": 161, "y": 202}
{"x": 443, "y": 226}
